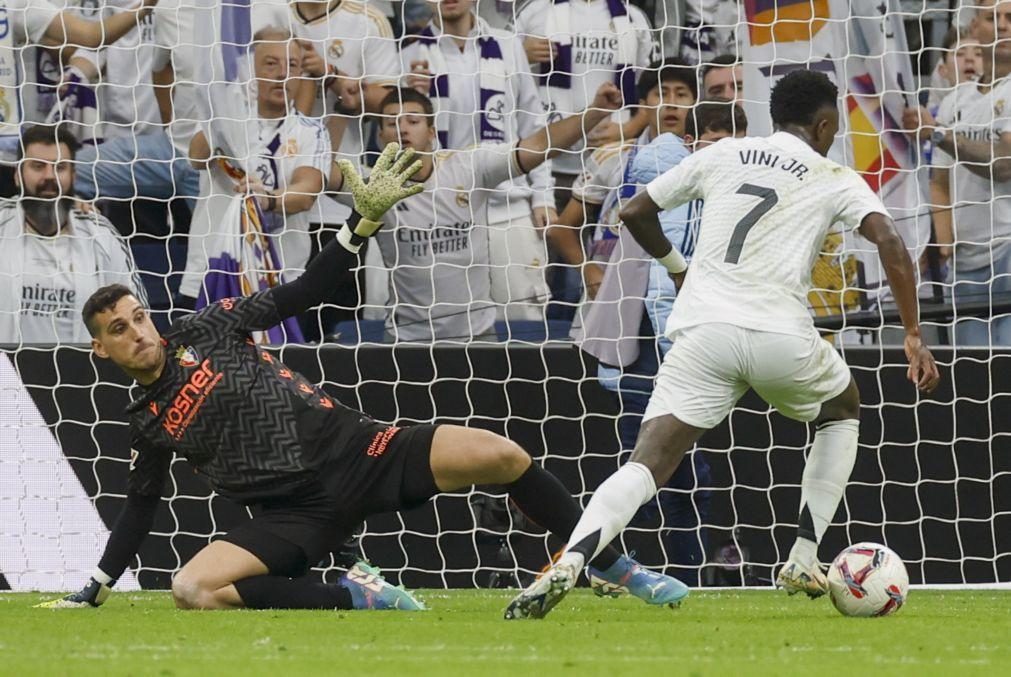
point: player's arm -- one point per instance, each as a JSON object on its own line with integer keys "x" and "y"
{"x": 676, "y": 186}
{"x": 148, "y": 472}
{"x": 989, "y": 160}
{"x": 68, "y": 28}
{"x": 532, "y": 151}
{"x": 200, "y": 151}
{"x": 880, "y": 230}
{"x": 265, "y": 309}
{"x": 940, "y": 199}
{"x": 564, "y": 234}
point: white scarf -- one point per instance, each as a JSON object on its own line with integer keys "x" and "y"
{"x": 492, "y": 78}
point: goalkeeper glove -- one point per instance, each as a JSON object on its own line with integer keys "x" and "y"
{"x": 92, "y": 595}
{"x": 384, "y": 189}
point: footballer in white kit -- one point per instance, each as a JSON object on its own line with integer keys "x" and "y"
{"x": 741, "y": 321}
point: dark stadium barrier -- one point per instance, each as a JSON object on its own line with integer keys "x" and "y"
{"x": 933, "y": 477}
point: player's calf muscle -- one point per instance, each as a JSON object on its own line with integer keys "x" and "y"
{"x": 843, "y": 406}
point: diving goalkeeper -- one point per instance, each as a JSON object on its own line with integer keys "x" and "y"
{"x": 309, "y": 468}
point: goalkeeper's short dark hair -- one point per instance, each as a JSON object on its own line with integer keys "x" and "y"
{"x": 668, "y": 70}
{"x": 102, "y": 300}
{"x": 715, "y": 116}
{"x": 404, "y": 95}
{"x": 799, "y": 95}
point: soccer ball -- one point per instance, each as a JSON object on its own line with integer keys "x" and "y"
{"x": 868, "y": 579}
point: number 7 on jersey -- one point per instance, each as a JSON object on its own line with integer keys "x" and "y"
{"x": 769, "y": 200}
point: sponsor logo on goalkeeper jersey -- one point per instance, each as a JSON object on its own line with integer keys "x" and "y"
{"x": 381, "y": 440}
{"x": 190, "y": 399}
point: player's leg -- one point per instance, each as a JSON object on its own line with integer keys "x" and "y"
{"x": 828, "y": 468}
{"x": 462, "y": 457}
{"x": 226, "y": 576}
{"x": 806, "y": 380}
{"x": 697, "y": 386}
{"x": 252, "y": 567}
{"x": 661, "y": 446}
{"x": 207, "y": 580}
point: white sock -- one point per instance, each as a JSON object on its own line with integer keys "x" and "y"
{"x": 825, "y": 476}
{"x": 611, "y": 508}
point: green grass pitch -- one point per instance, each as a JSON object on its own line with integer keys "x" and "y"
{"x": 713, "y": 633}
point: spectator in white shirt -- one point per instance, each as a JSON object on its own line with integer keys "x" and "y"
{"x": 54, "y": 256}
{"x": 286, "y": 171}
{"x": 133, "y": 156}
{"x": 39, "y": 24}
{"x": 479, "y": 80}
{"x": 574, "y": 46}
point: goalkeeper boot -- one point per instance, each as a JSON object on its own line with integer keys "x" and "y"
{"x": 795, "y": 577}
{"x": 543, "y": 594}
{"x": 628, "y": 576}
{"x": 369, "y": 590}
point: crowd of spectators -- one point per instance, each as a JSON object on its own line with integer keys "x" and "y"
{"x": 113, "y": 174}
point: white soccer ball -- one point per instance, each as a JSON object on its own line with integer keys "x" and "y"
{"x": 868, "y": 579}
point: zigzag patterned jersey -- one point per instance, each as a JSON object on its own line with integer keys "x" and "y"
{"x": 255, "y": 428}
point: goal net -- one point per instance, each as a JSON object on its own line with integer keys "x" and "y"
{"x": 467, "y": 309}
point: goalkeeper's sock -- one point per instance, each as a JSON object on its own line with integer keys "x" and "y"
{"x": 610, "y": 510}
{"x": 279, "y": 592}
{"x": 544, "y": 500}
{"x": 821, "y": 488}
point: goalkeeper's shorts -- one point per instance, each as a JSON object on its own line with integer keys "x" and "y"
{"x": 294, "y": 533}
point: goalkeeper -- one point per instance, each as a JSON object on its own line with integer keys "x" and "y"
{"x": 309, "y": 468}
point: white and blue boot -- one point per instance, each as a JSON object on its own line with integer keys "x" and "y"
{"x": 626, "y": 576}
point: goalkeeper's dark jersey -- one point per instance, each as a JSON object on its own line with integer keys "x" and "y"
{"x": 255, "y": 428}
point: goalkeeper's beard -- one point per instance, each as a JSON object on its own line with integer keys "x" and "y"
{"x": 46, "y": 215}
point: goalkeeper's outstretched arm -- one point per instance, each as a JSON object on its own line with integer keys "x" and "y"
{"x": 372, "y": 199}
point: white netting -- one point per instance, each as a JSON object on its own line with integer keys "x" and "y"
{"x": 469, "y": 263}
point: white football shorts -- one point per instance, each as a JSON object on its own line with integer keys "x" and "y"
{"x": 711, "y": 366}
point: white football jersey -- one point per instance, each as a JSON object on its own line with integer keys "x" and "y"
{"x": 44, "y": 281}
{"x": 127, "y": 104}
{"x": 770, "y": 202}
{"x": 982, "y": 214}
{"x": 353, "y": 36}
{"x": 596, "y": 51}
{"x": 285, "y": 145}
{"x": 436, "y": 245}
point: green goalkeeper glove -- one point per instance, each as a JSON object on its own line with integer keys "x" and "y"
{"x": 385, "y": 186}
{"x": 92, "y": 595}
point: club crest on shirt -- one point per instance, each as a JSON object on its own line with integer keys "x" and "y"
{"x": 187, "y": 356}
{"x": 462, "y": 197}
{"x": 998, "y": 107}
{"x": 336, "y": 49}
